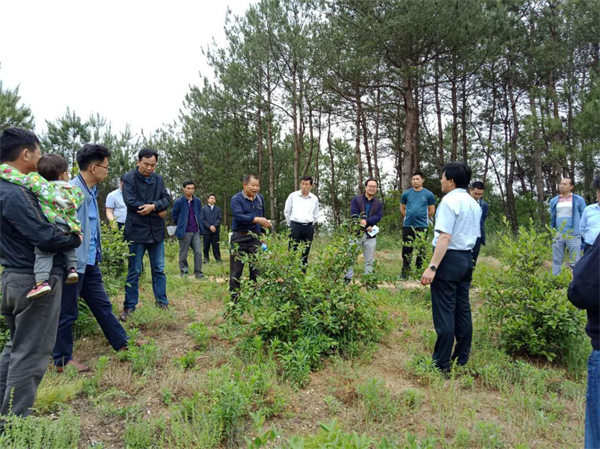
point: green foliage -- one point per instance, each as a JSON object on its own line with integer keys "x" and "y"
{"x": 524, "y": 302}
{"x": 311, "y": 315}
{"x": 41, "y": 433}
{"x": 12, "y": 113}
{"x": 377, "y": 402}
{"x": 188, "y": 360}
{"x": 200, "y": 333}
{"x": 142, "y": 358}
{"x": 115, "y": 255}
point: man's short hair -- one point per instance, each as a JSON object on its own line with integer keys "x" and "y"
{"x": 478, "y": 185}
{"x": 418, "y": 173}
{"x": 91, "y": 153}
{"x": 369, "y": 180}
{"x": 13, "y": 141}
{"x": 121, "y": 178}
{"x": 147, "y": 153}
{"x": 211, "y": 194}
{"x": 570, "y": 179}
{"x": 187, "y": 183}
{"x": 307, "y": 178}
{"x": 459, "y": 172}
{"x": 246, "y": 179}
{"x": 596, "y": 182}
{"x": 51, "y": 166}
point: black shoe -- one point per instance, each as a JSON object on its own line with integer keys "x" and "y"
{"x": 199, "y": 276}
{"x": 125, "y": 315}
{"x": 162, "y": 305}
{"x": 206, "y": 261}
{"x": 347, "y": 281}
{"x": 183, "y": 274}
{"x": 219, "y": 261}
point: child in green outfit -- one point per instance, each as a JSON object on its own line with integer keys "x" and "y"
{"x": 59, "y": 201}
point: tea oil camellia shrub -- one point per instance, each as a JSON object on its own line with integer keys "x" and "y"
{"x": 525, "y": 302}
{"x": 313, "y": 314}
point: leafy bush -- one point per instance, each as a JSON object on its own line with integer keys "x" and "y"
{"x": 527, "y": 304}
{"x": 41, "y": 433}
{"x": 115, "y": 258}
{"x": 312, "y": 314}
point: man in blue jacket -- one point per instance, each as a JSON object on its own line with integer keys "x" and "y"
{"x": 248, "y": 210}
{"x": 369, "y": 210}
{"x": 32, "y": 322}
{"x": 211, "y": 220}
{"x": 147, "y": 201}
{"x": 187, "y": 214}
{"x": 476, "y": 191}
{"x": 584, "y": 293}
{"x": 565, "y": 216}
{"x": 93, "y": 168}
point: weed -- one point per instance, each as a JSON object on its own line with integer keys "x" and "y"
{"x": 188, "y": 360}
{"x": 201, "y": 335}
{"x": 377, "y": 403}
{"x": 142, "y": 358}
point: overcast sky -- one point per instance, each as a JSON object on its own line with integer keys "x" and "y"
{"x": 131, "y": 61}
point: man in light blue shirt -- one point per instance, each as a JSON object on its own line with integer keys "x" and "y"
{"x": 457, "y": 228}
{"x": 590, "y": 219}
{"x": 115, "y": 206}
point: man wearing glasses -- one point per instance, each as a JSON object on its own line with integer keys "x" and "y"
{"x": 147, "y": 201}
{"x": 93, "y": 169}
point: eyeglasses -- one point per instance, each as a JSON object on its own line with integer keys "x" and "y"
{"x": 103, "y": 166}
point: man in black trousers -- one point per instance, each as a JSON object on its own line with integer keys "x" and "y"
{"x": 211, "y": 219}
{"x": 451, "y": 267}
{"x": 301, "y": 214}
{"x": 248, "y": 210}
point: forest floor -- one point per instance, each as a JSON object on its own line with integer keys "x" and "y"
{"x": 497, "y": 401}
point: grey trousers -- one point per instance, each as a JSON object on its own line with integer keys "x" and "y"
{"x": 32, "y": 324}
{"x": 45, "y": 261}
{"x": 368, "y": 247}
{"x": 190, "y": 239}
{"x": 572, "y": 243}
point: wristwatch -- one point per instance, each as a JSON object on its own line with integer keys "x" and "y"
{"x": 432, "y": 267}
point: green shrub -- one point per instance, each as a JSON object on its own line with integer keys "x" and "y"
{"x": 313, "y": 314}
{"x": 200, "y": 333}
{"x": 527, "y": 304}
{"x": 115, "y": 257}
{"x": 41, "y": 433}
{"x": 142, "y": 358}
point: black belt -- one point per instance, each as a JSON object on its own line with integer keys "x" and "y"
{"x": 302, "y": 224}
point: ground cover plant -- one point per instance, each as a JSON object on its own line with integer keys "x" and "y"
{"x": 208, "y": 374}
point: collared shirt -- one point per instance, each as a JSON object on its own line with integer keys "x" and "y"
{"x": 92, "y": 256}
{"x": 244, "y": 210}
{"x": 192, "y": 224}
{"x": 459, "y": 215}
{"x": 590, "y": 223}
{"x": 417, "y": 207}
{"x": 300, "y": 208}
{"x": 114, "y": 201}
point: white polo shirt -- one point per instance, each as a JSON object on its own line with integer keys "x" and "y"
{"x": 300, "y": 208}
{"x": 459, "y": 215}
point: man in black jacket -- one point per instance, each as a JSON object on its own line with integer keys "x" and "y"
{"x": 147, "y": 201}
{"x": 584, "y": 293}
{"x": 211, "y": 219}
{"x": 32, "y": 322}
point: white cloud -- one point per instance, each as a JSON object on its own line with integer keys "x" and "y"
{"x": 130, "y": 61}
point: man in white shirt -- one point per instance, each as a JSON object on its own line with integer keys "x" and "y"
{"x": 115, "y": 207}
{"x": 457, "y": 228}
{"x": 301, "y": 213}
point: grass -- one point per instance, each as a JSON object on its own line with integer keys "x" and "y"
{"x": 196, "y": 382}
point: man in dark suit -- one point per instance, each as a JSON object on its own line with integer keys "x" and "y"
{"x": 477, "y": 190}
{"x": 211, "y": 219}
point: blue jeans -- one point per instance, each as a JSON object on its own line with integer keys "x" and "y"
{"x": 592, "y": 403}
{"x": 572, "y": 243}
{"x": 91, "y": 288}
{"x": 156, "y": 252}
